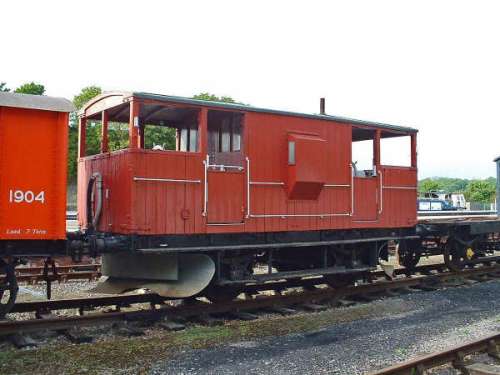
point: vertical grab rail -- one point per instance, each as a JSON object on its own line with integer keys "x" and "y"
{"x": 205, "y": 187}
{"x": 248, "y": 187}
{"x": 381, "y": 193}
{"x": 352, "y": 188}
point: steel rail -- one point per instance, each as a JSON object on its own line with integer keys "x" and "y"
{"x": 60, "y": 277}
{"x": 64, "y": 273}
{"x": 198, "y": 308}
{"x": 102, "y": 301}
{"x": 453, "y": 355}
{"x": 65, "y": 268}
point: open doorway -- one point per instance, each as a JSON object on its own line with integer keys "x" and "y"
{"x": 363, "y": 150}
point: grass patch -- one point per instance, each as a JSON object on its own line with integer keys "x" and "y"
{"x": 136, "y": 355}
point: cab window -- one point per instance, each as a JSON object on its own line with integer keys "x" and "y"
{"x": 225, "y": 137}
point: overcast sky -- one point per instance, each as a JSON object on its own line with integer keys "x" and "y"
{"x": 433, "y": 65}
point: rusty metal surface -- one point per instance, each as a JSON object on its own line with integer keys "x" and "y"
{"x": 418, "y": 365}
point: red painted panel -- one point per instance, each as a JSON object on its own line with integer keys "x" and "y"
{"x": 307, "y": 173}
{"x": 226, "y": 197}
{"x": 33, "y": 174}
{"x": 399, "y": 196}
{"x": 365, "y": 198}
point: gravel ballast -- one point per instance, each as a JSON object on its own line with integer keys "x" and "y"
{"x": 438, "y": 320}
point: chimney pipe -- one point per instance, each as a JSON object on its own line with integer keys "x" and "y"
{"x": 322, "y": 106}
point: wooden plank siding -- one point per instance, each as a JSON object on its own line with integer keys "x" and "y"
{"x": 155, "y": 207}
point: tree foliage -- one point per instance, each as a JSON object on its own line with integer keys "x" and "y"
{"x": 85, "y": 95}
{"x": 3, "y": 87}
{"x": 31, "y": 88}
{"x": 93, "y": 133}
{"x": 482, "y": 191}
{"x": 449, "y": 185}
{"x": 214, "y": 98}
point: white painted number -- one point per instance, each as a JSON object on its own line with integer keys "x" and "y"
{"x": 19, "y": 196}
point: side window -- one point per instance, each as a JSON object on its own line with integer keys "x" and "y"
{"x": 395, "y": 151}
{"x": 159, "y": 137}
{"x": 187, "y": 139}
{"x": 225, "y": 137}
{"x": 424, "y": 206}
{"x": 436, "y": 206}
{"x": 193, "y": 139}
{"x": 183, "y": 139}
{"x": 291, "y": 153}
{"x": 169, "y": 128}
{"x": 362, "y": 152}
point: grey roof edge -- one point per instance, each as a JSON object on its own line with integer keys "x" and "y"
{"x": 496, "y": 159}
{"x": 243, "y": 107}
{"x": 40, "y": 102}
{"x": 103, "y": 95}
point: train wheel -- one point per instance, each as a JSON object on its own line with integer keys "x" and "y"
{"x": 408, "y": 254}
{"x": 8, "y": 288}
{"x": 455, "y": 255}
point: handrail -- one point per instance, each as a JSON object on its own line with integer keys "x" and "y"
{"x": 166, "y": 180}
{"x": 205, "y": 187}
{"x": 381, "y": 193}
{"x": 223, "y": 167}
{"x": 352, "y": 189}
{"x": 248, "y": 187}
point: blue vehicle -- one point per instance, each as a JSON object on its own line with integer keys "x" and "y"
{"x": 432, "y": 204}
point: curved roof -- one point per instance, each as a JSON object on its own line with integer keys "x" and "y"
{"x": 124, "y": 96}
{"x": 41, "y": 102}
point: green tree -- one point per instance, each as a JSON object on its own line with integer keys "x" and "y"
{"x": 31, "y": 88}
{"x": 93, "y": 132}
{"x": 159, "y": 135}
{"x": 214, "y": 98}
{"x": 428, "y": 184}
{"x": 85, "y": 95}
{"x": 3, "y": 88}
{"x": 480, "y": 191}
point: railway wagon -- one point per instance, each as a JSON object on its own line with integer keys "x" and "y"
{"x": 241, "y": 186}
{"x": 34, "y": 144}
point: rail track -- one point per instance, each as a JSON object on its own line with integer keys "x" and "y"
{"x": 35, "y": 274}
{"x": 309, "y": 297}
{"x": 454, "y": 356}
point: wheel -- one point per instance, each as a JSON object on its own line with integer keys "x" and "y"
{"x": 217, "y": 294}
{"x": 456, "y": 255}
{"x": 408, "y": 254}
{"x": 8, "y": 288}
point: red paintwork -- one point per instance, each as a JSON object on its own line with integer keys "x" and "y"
{"x": 34, "y": 146}
{"x": 307, "y": 175}
{"x": 227, "y": 187}
{"x": 323, "y": 158}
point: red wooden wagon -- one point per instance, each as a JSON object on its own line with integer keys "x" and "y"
{"x": 242, "y": 185}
